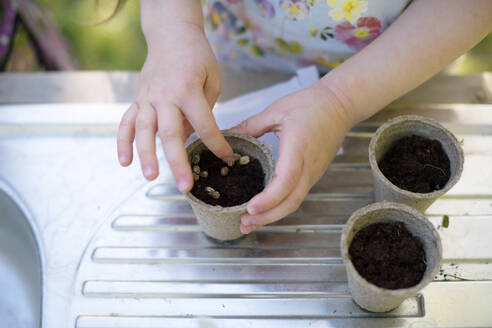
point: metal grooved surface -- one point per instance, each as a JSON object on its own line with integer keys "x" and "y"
{"x": 149, "y": 265}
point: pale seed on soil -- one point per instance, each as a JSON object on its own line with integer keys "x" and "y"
{"x": 196, "y": 159}
{"x": 195, "y": 177}
{"x": 244, "y": 160}
{"x": 212, "y": 192}
{"x": 204, "y": 174}
{"x": 224, "y": 171}
{"x": 196, "y": 169}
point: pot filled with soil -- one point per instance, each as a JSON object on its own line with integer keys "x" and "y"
{"x": 390, "y": 252}
{"x": 221, "y": 190}
{"x": 414, "y": 160}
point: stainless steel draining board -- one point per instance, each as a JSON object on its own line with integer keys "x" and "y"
{"x": 120, "y": 252}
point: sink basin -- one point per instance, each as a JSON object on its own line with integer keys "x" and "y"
{"x": 118, "y": 252}
{"x": 20, "y": 268}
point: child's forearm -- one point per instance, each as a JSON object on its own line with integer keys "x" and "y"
{"x": 429, "y": 35}
{"x": 161, "y": 19}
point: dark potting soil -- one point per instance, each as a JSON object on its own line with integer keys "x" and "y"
{"x": 388, "y": 255}
{"x": 240, "y": 184}
{"x": 416, "y": 164}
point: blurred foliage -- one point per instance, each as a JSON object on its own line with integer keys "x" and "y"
{"x": 478, "y": 59}
{"x": 118, "y": 44}
{"x": 23, "y": 58}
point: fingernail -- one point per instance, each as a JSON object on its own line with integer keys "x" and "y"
{"x": 251, "y": 210}
{"x": 148, "y": 171}
{"x": 182, "y": 185}
{"x": 244, "y": 229}
{"x": 123, "y": 158}
{"x": 231, "y": 158}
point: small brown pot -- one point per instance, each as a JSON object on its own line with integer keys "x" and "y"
{"x": 398, "y": 128}
{"x": 223, "y": 222}
{"x": 368, "y": 295}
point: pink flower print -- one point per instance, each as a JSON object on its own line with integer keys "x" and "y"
{"x": 359, "y": 36}
{"x": 266, "y": 8}
{"x": 295, "y": 9}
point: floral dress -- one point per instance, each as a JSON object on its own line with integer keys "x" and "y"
{"x": 284, "y": 35}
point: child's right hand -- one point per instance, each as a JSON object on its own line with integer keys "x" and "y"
{"x": 177, "y": 88}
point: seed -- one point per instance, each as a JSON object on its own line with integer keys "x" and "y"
{"x": 232, "y": 161}
{"x": 244, "y": 160}
{"x": 224, "y": 171}
{"x": 212, "y": 192}
{"x": 196, "y": 177}
{"x": 204, "y": 174}
{"x": 196, "y": 159}
{"x": 196, "y": 169}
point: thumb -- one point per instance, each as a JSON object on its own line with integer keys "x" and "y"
{"x": 256, "y": 125}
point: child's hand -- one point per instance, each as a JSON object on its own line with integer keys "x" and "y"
{"x": 177, "y": 87}
{"x": 311, "y": 125}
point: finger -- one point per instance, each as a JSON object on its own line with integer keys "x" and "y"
{"x": 126, "y": 135}
{"x": 170, "y": 125}
{"x": 287, "y": 173}
{"x": 146, "y": 126}
{"x": 257, "y": 125}
{"x": 200, "y": 116}
{"x": 245, "y": 229}
{"x": 287, "y": 206}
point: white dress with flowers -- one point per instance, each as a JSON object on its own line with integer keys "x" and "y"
{"x": 284, "y": 35}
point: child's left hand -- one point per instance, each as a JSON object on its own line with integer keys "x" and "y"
{"x": 311, "y": 125}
